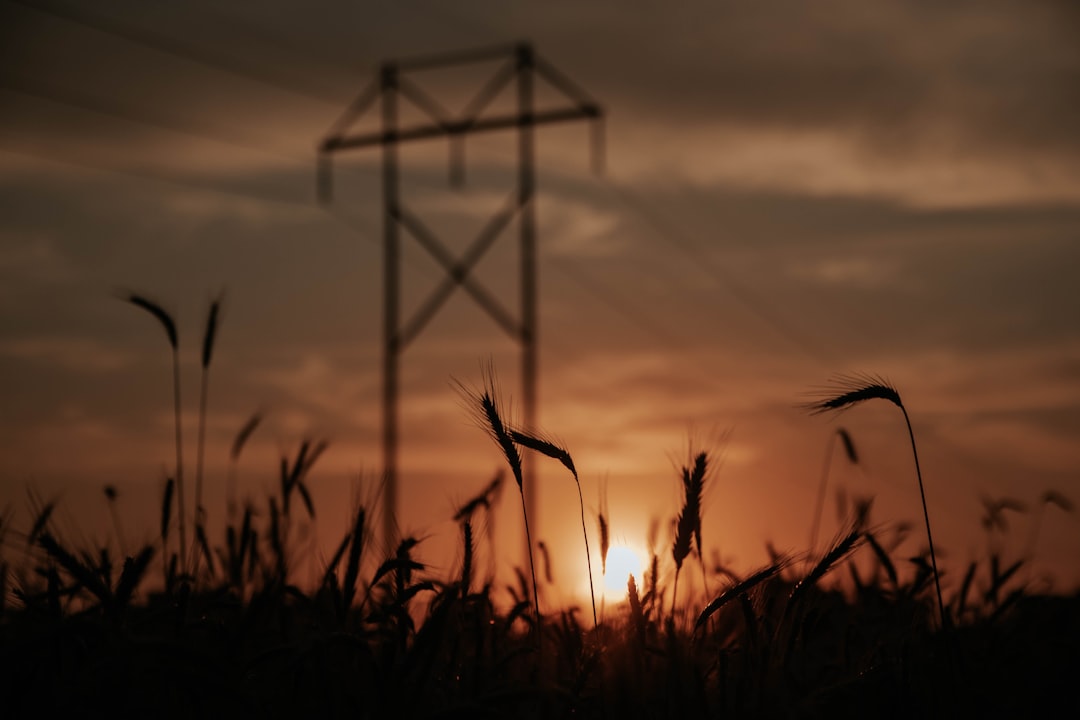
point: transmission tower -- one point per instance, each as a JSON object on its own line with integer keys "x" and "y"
{"x": 521, "y": 67}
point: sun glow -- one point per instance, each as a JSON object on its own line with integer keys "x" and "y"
{"x": 622, "y": 561}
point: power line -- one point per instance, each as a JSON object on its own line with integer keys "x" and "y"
{"x": 156, "y": 177}
{"x": 600, "y": 292}
{"x": 368, "y": 232}
{"x": 83, "y": 103}
{"x": 670, "y": 232}
{"x": 705, "y": 263}
{"x": 593, "y": 286}
{"x": 520, "y": 68}
{"x": 171, "y": 45}
{"x": 660, "y": 225}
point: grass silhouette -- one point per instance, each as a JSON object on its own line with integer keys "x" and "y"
{"x": 169, "y": 325}
{"x": 378, "y": 636}
{"x": 377, "y": 633}
{"x": 853, "y": 457}
{"x": 851, "y": 390}
{"x": 209, "y": 335}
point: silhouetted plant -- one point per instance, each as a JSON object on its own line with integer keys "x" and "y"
{"x": 237, "y": 447}
{"x": 81, "y": 631}
{"x": 552, "y": 450}
{"x": 853, "y": 457}
{"x": 602, "y": 516}
{"x": 688, "y": 526}
{"x": 111, "y": 495}
{"x": 484, "y": 406}
{"x": 851, "y": 390}
{"x": 209, "y": 335}
{"x": 169, "y": 326}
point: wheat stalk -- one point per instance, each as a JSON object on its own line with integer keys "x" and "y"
{"x": 169, "y": 325}
{"x": 234, "y": 457}
{"x": 557, "y": 452}
{"x": 110, "y": 496}
{"x": 602, "y": 515}
{"x": 637, "y": 615}
{"x": 467, "y": 557}
{"x": 166, "y": 516}
{"x": 485, "y": 499}
{"x": 688, "y": 526}
{"x": 839, "y": 550}
{"x": 853, "y": 457}
{"x": 605, "y": 537}
{"x": 849, "y": 390}
{"x": 209, "y": 335}
{"x": 740, "y": 587}
{"x": 484, "y": 406}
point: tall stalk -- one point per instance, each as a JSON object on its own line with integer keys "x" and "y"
{"x": 234, "y": 458}
{"x": 484, "y": 405}
{"x": 207, "y": 353}
{"x": 819, "y": 506}
{"x": 605, "y": 538}
{"x": 854, "y": 389}
{"x": 552, "y": 450}
{"x": 110, "y": 497}
{"x": 688, "y": 527}
{"x": 181, "y": 508}
{"x": 169, "y": 326}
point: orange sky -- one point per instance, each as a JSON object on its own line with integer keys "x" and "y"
{"x": 792, "y": 192}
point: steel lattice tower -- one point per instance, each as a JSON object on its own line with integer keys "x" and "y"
{"x": 522, "y": 67}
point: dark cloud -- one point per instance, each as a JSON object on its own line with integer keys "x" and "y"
{"x": 895, "y": 78}
{"x": 899, "y": 76}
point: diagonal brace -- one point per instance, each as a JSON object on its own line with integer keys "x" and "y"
{"x": 458, "y": 273}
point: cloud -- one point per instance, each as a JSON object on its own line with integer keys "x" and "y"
{"x": 931, "y": 104}
{"x": 889, "y": 71}
{"x": 326, "y": 383}
{"x": 197, "y": 209}
{"x": 71, "y": 354}
{"x": 860, "y": 272}
{"x": 831, "y": 162}
{"x": 29, "y": 258}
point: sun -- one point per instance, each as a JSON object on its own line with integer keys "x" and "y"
{"x": 622, "y": 562}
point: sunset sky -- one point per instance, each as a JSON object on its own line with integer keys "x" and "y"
{"x": 792, "y": 191}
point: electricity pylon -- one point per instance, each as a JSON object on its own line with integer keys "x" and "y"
{"x": 522, "y": 67}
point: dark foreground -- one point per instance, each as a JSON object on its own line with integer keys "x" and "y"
{"x": 771, "y": 651}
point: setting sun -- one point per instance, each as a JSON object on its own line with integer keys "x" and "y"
{"x": 622, "y": 562}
